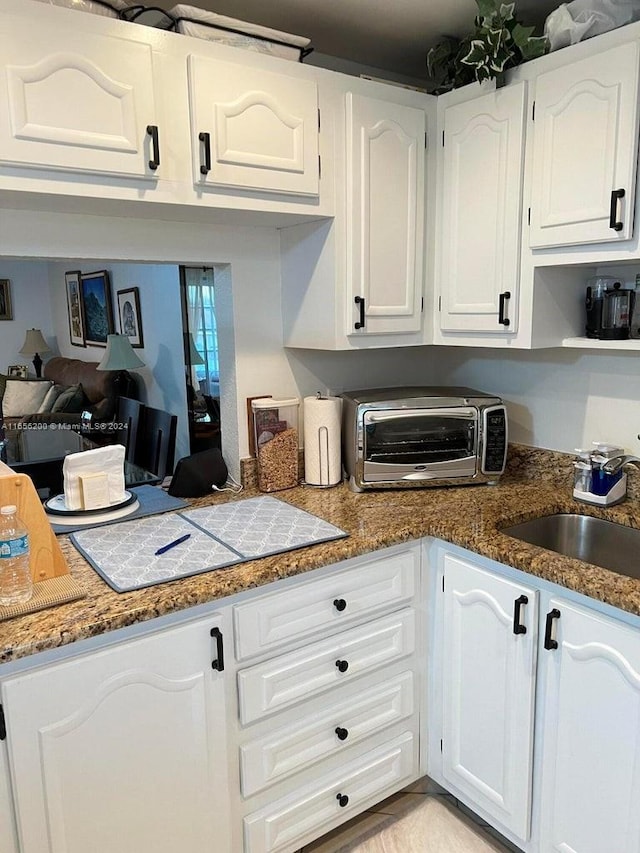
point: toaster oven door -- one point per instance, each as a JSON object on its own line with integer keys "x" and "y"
{"x": 419, "y": 444}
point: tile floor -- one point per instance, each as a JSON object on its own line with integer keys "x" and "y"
{"x": 423, "y": 818}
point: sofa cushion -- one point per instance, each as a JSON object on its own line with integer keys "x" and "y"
{"x": 24, "y": 396}
{"x": 52, "y": 395}
{"x": 72, "y": 399}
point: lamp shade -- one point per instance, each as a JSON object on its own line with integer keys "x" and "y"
{"x": 34, "y": 343}
{"x": 119, "y": 355}
{"x": 190, "y": 350}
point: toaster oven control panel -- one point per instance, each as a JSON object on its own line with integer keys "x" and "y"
{"x": 495, "y": 440}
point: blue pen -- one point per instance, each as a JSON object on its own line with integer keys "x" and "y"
{"x": 172, "y": 544}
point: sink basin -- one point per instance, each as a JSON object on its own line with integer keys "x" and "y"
{"x": 601, "y": 543}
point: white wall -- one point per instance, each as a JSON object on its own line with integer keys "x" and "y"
{"x": 252, "y": 360}
{"x": 559, "y": 399}
{"x": 29, "y": 286}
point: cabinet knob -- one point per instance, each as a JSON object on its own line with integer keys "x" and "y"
{"x": 342, "y": 799}
{"x": 343, "y": 734}
{"x": 339, "y": 604}
{"x": 342, "y": 665}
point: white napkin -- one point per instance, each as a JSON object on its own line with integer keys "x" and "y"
{"x": 109, "y": 460}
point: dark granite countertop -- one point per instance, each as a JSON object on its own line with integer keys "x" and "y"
{"x": 537, "y": 483}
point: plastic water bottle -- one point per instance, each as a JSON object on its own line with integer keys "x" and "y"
{"x": 16, "y": 585}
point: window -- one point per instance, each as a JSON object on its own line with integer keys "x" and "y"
{"x": 200, "y": 303}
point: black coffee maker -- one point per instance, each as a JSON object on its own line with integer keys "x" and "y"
{"x": 609, "y": 309}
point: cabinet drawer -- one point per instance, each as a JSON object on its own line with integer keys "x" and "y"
{"x": 297, "y": 819}
{"x": 381, "y": 582}
{"x": 282, "y": 681}
{"x": 269, "y": 759}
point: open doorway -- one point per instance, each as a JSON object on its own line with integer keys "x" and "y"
{"x": 202, "y": 372}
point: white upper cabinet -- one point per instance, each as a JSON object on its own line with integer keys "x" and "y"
{"x": 253, "y": 129}
{"x": 77, "y": 101}
{"x": 481, "y": 207}
{"x": 385, "y": 214}
{"x": 585, "y": 150}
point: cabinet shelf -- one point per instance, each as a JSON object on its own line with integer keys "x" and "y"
{"x": 591, "y": 343}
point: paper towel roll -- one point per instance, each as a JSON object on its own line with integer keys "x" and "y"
{"x": 322, "y": 450}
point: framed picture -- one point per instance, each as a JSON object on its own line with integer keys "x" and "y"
{"x": 74, "y": 308}
{"x": 5, "y": 300}
{"x": 97, "y": 313}
{"x": 129, "y": 315}
{"x": 18, "y": 371}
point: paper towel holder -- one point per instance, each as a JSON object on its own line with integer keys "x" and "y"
{"x": 323, "y": 436}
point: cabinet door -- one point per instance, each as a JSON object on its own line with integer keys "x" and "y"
{"x": 488, "y": 685}
{"x": 253, "y": 129}
{"x": 7, "y": 822}
{"x": 75, "y": 101}
{"x": 585, "y": 145}
{"x": 481, "y": 212}
{"x": 122, "y": 750}
{"x": 385, "y": 215}
{"x": 591, "y": 725}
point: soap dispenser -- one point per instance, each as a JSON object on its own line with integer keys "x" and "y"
{"x": 592, "y": 483}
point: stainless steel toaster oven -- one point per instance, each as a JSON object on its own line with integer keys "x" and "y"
{"x": 422, "y": 436}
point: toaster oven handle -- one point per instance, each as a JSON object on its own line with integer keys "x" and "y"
{"x": 382, "y": 416}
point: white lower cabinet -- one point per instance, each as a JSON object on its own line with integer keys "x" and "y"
{"x": 333, "y": 799}
{"x": 591, "y": 741}
{"x": 488, "y": 689}
{"x": 330, "y": 725}
{"x": 120, "y": 749}
{"x": 581, "y": 781}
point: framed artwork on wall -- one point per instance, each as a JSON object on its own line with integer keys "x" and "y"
{"x": 97, "y": 313}
{"x": 5, "y": 300}
{"x": 74, "y": 308}
{"x": 129, "y": 315}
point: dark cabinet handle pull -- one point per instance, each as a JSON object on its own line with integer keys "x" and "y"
{"x": 549, "y": 643}
{"x": 343, "y": 734}
{"x": 504, "y": 321}
{"x": 342, "y": 799}
{"x": 342, "y": 665}
{"x": 613, "y": 210}
{"x": 518, "y": 627}
{"x": 339, "y": 604}
{"x": 218, "y": 663}
{"x": 152, "y": 131}
{"x": 205, "y": 167}
{"x": 359, "y": 300}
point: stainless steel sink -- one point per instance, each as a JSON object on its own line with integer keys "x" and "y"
{"x": 601, "y": 543}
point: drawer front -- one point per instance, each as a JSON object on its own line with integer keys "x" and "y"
{"x": 383, "y": 582}
{"x": 282, "y": 681}
{"x": 297, "y": 819}
{"x": 269, "y": 759}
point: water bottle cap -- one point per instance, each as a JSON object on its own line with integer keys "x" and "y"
{"x": 8, "y": 510}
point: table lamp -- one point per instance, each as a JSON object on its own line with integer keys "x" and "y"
{"x": 33, "y": 345}
{"x": 119, "y": 356}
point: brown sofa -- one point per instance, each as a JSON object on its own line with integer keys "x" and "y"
{"x": 100, "y": 390}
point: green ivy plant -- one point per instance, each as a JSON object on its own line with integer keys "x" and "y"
{"x": 498, "y": 42}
